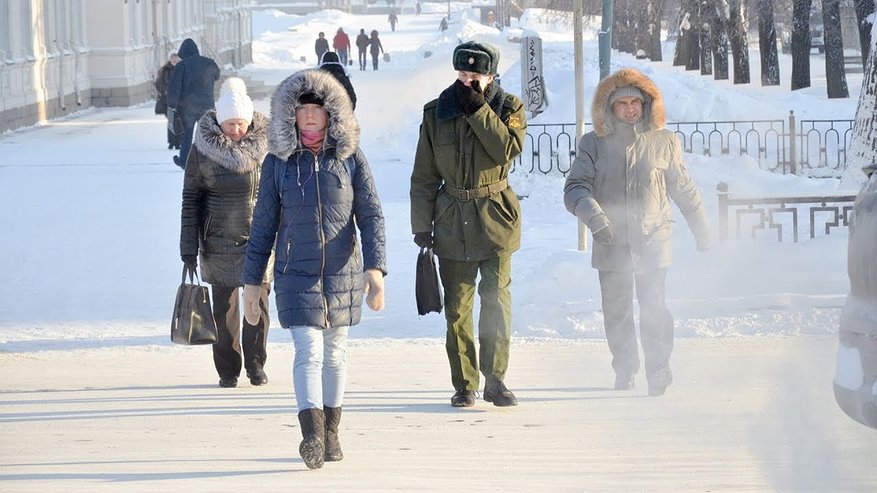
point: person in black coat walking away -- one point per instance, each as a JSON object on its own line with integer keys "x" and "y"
{"x": 443, "y": 25}
{"x": 161, "y": 83}
{"x": 393, "y": 18}
{"x": 321, "y": 45}
{"x": 362, "y": 44}
{"x": 317, "y": 192}
{"x": 219, "y": 195}
{"x": 330, "y": 63}
{"x": 375, "y": 47}
{"x": 190, "y": 92}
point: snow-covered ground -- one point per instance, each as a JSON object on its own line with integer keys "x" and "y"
{"x": 89, "y": 244}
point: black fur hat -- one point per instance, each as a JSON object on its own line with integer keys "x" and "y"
{"x": 476, "y": 57}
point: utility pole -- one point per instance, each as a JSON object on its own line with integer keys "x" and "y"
{"x": 578, "y": 54}
{"x": 605, "y": 38}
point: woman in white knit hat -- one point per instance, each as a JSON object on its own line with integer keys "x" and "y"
{"x": 219, "y": 194}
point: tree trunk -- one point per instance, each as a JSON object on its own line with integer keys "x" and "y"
{"x": 863, "y": 143}
{"x": 706, "y": 54}
{"x": 649, "y": 30}
{"x": 719, "y": 41}
{"x": 835, "y": 77}
{"x": 864, "y": 9}
{"x": 801, "y": 44}
{"x": 767, "y": 44}
{"x": 739, "y": 42}
{"x": 693, "y": 51}
{"x": 680, "y": 54}
{"x": 624, "y": 35}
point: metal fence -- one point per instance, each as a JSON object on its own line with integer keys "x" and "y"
{"x": 787, "y": 146}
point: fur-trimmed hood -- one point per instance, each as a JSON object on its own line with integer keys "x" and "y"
{"x": 240, "y": 157}
{"x": 342, "y": 128}
{"x": 653, "y": 108}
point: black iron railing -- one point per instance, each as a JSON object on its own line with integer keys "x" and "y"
{"x": 787, "y": 146}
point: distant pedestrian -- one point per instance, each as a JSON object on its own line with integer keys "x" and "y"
{"x": 362, "y": 45}
{"x": 331, "y": 64}
{"x": 190, "y": 92}
{"x": 161, "y": 83}
{"x": 341, "y": 43}
{"x": 620, "y": 185}
{"x": 219, "y": 195}
{"x": 317, "y": 191}
{"x": 419, "y": 8}
{"x": 443, "y": 25}
{"x": 375, "y": 48}
{"x": 321, "y": 45}
{"x": 393, "y": 20}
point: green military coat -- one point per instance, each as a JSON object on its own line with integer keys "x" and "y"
{"x": 455, "y": 152}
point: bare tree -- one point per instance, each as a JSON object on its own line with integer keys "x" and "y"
{"x": 835, "y": 77}
{"x": 717, "y": 15}
{"x": 767, "y": 44}
{"x": 863, "y": 143}
{"x": 801, "y": 44}
{"x": 624, "y": 33}
{"x": 692, "y": 62}
{"x": 648, "y": 28}
{"x": 739, "y": 41}
{"x": 864, "y": 10}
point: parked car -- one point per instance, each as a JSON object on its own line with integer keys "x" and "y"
{"x": 817, "y": 38}
{"x": 855, "y": 381}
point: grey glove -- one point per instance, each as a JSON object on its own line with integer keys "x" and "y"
{"x": 704, "y": 244}
{"x": 603, "y": 235}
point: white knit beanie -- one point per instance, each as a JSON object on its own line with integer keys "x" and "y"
{"x": 233, "y": 101}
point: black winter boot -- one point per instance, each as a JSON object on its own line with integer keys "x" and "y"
{"x": 333, "y": 445}
{"x": 496, "y": 392}
{"x": 312, "y": 448}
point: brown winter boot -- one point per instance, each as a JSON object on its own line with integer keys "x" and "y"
{"x": 312, "y": 447}
{"x": 333, "y": 445}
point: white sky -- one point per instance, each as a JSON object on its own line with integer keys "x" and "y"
{"x": 91, "y": 221}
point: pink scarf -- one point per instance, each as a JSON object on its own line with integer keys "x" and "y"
{"x": 312, "y": 140}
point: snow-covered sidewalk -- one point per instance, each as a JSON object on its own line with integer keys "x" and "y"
{"x": 745, "y": 414}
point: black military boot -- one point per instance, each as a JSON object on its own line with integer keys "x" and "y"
{"x": 313, "y": 426}
{"x": 333, "y": 445}
{"x": 496, "y": 392}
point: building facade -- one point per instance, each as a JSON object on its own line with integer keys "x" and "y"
{"x": 61, "y": 56}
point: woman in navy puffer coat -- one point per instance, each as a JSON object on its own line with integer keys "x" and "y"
{"x": 316, "y": 190}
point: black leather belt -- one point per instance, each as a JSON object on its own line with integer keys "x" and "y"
{"x": 467, "y": 194}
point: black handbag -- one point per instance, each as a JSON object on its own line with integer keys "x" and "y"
{"x": 193, "y": 322}
{"x": 427, "y": 288}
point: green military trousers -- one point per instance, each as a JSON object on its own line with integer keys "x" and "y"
{"x": 494, "y": 321}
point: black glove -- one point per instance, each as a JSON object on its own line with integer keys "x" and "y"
{"x": 423, "y": 240}
{"x": 603, "y": 235}
{"x": 470, "y": 98}
{"x": 191, "y": 261}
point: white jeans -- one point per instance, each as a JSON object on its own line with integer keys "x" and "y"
{"x": 319, "y": 370}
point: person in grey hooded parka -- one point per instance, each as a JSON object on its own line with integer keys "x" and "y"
{"x": 316, "y": 191}
{"x": 620, "y": 185}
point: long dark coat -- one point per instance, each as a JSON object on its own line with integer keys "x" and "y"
{"x": 161, "y": 84}
{"x": 219, "y": 194}
{"x": 467, "y": 152}
{"x": 190, "y": 89}
{"x": 310, "y": 208}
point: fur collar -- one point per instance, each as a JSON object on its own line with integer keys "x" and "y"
{"x": 241, "y": 157}
{"x": 343, "y": 129}
{"x": 653, "y": 108}
{"x": 449, "y": 108}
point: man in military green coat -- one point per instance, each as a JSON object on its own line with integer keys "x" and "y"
{"x": 463, "y": 207}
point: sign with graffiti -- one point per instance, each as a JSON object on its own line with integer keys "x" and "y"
{"x": 535, "y": 98}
